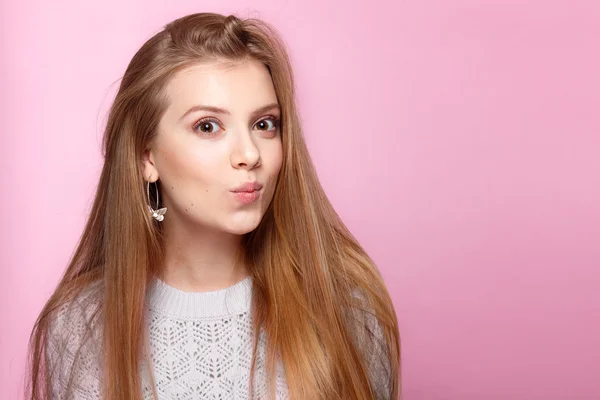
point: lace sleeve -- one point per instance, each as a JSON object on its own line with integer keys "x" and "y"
{"x": 72, "y": 353}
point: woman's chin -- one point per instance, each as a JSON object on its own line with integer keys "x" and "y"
{"x": 241, "y": 226}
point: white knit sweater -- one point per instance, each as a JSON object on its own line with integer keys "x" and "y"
{"x": 200, "y": 347}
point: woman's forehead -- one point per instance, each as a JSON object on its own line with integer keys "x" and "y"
{"x": 239, "y": 88}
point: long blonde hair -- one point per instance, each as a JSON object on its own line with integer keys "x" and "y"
{"x": 307, "y": 267}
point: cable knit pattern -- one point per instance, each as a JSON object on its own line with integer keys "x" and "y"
{"x": 200, "y": 347}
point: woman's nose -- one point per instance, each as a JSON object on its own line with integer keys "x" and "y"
{"x": 245, "y": 153}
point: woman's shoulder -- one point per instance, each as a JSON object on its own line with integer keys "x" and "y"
{"x": 73, "y": 343}
{"x": 365, "y": 324}
{"x": 80, "y": 309}
{"x": 369, "y": 337}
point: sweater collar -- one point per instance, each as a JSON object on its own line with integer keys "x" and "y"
{"x": 167, "y": 300}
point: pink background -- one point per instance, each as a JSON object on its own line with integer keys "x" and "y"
{"x": 459, "y": 140}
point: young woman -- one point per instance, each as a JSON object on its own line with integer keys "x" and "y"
{"x": 212, "y": 265}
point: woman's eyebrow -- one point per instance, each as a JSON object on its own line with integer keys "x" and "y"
{"x": 218, "y": 110}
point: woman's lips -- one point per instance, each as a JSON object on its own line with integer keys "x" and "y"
{"x": 247, "y": 197}
{"x": 248, "y": 187}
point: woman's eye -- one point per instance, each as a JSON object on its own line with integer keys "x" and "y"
{"x": 262, "y": 125}
{"x": 206, "y": 126}
{"x": 209, "y": 126}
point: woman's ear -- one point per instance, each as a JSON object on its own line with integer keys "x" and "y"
{"x": 148, "y": 168}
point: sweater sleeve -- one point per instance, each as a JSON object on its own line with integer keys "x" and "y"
{"x": 378, "y": 359}
{"x": 370, "y": 339}
{"x": 72, "y": 353}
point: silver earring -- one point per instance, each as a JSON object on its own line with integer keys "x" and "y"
{"x": 159, "y": 214}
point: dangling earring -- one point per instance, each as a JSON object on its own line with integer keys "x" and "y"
{"x": 159, "y": 214}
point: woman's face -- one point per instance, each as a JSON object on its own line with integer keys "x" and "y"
{"x": 220, "y": 130}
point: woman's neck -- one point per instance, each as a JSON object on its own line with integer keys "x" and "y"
{"x": 201, "y": 261}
